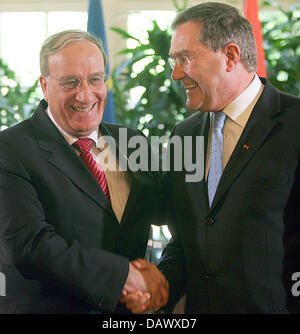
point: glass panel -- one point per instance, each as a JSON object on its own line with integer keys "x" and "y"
{"x": 58, "y": 21}
{"x": 20, "y": 44}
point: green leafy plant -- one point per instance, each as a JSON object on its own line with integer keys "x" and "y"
{"x": 160, "y": 101}
{"x": 281, "y": 33}
{"x": 16, "y": 102}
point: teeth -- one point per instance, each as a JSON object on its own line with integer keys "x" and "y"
{"x": 83, "y": 109}
{"x": 190, "y": 87}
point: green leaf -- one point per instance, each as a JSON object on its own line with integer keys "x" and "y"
{"x": 180, "y": 9}
{"x": 123, "y": 33}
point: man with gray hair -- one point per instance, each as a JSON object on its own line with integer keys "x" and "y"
{"x": 235, "y": 244}
{"x": 68, "y": 227}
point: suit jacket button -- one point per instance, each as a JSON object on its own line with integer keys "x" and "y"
{"x": 210, "y": 275}
{"x": 210, "y": 221}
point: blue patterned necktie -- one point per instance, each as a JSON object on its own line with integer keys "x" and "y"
{"x": 216, "y": 161}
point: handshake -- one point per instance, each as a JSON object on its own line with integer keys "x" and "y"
{"x": 146, "y": 288}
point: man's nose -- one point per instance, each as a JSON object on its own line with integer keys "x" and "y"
{"x": 85, "y": 93}
{"x": 178, "y": 73}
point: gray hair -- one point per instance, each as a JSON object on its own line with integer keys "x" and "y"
{"x": 222, "y": 24}
{"x": 59, "y": 40}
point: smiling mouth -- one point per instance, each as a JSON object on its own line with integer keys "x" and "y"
{"x": 84, "y": 110}
{"x": 189, "y": 87}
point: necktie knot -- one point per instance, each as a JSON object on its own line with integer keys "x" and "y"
{"x": 84, "y": 144}
{"x": 219, "y": 120}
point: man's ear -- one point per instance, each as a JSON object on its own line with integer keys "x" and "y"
{"x": 44, "y": 85}
{"x": 233, "y": 56}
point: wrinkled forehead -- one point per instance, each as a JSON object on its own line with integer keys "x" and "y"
{"x": 185, "y": 38}
{"x": 77, "y": 56}
{"x": 78, "y": 49}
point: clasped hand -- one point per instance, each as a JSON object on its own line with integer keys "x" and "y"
{"x": 146, "y": 288}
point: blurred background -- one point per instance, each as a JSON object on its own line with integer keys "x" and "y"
{"x": 137, "y": 37}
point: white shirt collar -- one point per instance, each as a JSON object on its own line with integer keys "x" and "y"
{"x": 240, "y": 109}
{"x": 69, "y": 138}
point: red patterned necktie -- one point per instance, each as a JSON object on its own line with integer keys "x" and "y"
{"x": 84, "y": 145}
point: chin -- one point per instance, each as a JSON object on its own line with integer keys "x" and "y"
{"x": 80, "y": 131}
{"x": 193, "y": 107}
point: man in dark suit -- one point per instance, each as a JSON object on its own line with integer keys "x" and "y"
{"x": 235, "y": 248}
{"x": 69, "y": 228}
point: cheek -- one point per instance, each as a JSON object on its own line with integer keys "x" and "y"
{"x": 53, "y": 95}
{"x": 102, "y": 94}
{"x": 59, "y": 103}
{"x": 199, "y": 76}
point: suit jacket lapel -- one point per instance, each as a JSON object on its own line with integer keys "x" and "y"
{"x": 203, "y": 130}
{"x": 258, "y": 128}
{"x": 194, "y": 198}
{"x": 199, "y": 127}
{"x": 65, "y": 159}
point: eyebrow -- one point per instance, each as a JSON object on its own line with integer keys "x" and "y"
{"x": 180, "y": 53}
{"x": 97, "y": 73}
{"x": 76, "y": 76}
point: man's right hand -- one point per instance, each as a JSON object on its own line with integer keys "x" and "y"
{"x": 146, "y": 288}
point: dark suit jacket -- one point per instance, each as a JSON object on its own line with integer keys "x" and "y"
{"x": 61, "y": 247}
{"x": 239, "y": 255}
